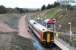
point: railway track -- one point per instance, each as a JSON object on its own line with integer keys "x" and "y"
{"x": 55, "y": 48}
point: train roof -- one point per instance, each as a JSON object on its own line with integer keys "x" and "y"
{"x": 38, "y": 26}
{"x": 50, "y": 21}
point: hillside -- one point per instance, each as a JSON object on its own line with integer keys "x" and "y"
{"x": 63, "y": 17}
{"x": 66, "y": 17}
{"x": 52, "y": 13}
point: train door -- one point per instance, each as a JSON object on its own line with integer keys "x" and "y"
{"x": 49, "y": 37}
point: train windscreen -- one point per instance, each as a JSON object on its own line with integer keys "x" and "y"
{"x": 50, "y": 26}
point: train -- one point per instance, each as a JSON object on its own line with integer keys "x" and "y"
{"x": 45, "y": 36}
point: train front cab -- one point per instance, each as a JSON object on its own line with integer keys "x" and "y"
{"x": 48, "y": 38}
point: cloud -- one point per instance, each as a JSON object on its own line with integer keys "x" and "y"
{"x": 25, "y": 3}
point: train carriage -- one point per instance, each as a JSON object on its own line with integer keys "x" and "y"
{"x": 45, "y": 36}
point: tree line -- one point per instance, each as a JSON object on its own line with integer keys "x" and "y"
{"x": 49, "y": 6}
{"x": 57, "y": 4}
{"x": 3, "y": 10}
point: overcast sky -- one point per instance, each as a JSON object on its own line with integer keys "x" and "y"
{"x": 25, "y": 3}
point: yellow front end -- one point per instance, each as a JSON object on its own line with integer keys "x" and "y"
{"x": 48, "y": 37}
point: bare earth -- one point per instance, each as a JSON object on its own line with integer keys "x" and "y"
{"x": 5, "y": 28}
{"x": 23, "y": 27}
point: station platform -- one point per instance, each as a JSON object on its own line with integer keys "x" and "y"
{"x": 63, "y": 45}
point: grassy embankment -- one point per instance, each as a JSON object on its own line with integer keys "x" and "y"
{"x": 53, "y": 12}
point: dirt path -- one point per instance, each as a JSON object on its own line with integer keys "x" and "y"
{"x": 23, "y": 27}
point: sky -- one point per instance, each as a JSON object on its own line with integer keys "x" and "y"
{"x": 25, "y": 3}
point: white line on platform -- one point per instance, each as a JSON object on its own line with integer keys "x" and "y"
{"x": 61, "y": 45}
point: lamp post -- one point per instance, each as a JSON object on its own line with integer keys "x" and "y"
{"x": 70, "y": 29}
